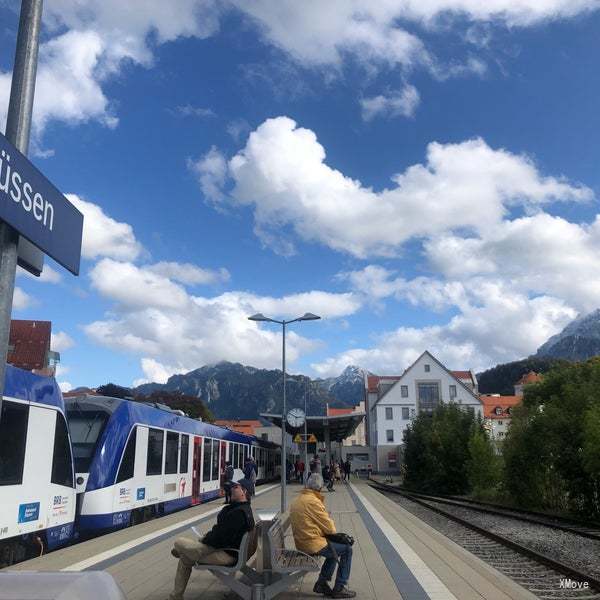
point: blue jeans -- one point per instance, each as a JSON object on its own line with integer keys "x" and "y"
{"x": 344, "y": 552}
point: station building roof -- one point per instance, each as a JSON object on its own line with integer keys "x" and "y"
{"x": 340, "y": 426}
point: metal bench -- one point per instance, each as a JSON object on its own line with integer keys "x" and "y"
{"x": 227, "y": 574}
{"x": 286, "y": 565}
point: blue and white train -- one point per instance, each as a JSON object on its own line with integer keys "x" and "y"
{"x": 134, "y": 461}
{"x": 90, "y": 464}
{"x": 37, "y": 495}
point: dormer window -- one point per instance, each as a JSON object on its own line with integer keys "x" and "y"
{"x": 427, "y": 368}
{"x": 498, "y": 410}
{"x": 509, "y": 410}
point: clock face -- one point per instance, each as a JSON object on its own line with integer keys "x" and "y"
{"x": 295, "y": 417}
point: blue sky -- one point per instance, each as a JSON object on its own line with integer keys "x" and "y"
{"x": 423, "y": 175}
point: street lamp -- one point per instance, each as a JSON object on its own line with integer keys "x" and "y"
{"x": 305, "y": 317}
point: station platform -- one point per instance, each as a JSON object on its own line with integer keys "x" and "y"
{"x": 396, "y": 556}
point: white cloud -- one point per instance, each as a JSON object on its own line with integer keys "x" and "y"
{"x": 283, "y": 175}
{"x": 211, "y": 171}
{"x": 102, "y": 235}
{"x": 188, "y": 110}
{"x": 21, "y": 300}
{"x": 402, "y": 103}
{"x": 61, "y": 341}
{"x": 174, "y": 331}
{"x": 49, "y": 275}
{"x": 495, "y": 324}
{"x": 65, "y": 386}
{"x": 189, "y": 274}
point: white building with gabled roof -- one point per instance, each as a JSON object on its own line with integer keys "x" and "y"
{"x": 392, "y": 402}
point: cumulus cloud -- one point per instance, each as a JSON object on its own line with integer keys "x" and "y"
{"x": 495, "y": 324}
{"x": 21, "y": 300}
{"x": 190, "y": 274}
{"x": 211, "y": 171}
{"x": 283, "y": 175}
{"x": 49, "y": 275}
{"x": 402, "y": 103}
{"x": 102, "y": 235}
{"x": 175, "y": 331}
{"x": 65, "y": 386}
{"x": 61, "y": 341}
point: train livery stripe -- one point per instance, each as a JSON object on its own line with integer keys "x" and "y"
{"x": 114, "y": 555}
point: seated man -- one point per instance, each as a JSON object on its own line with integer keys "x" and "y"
{"x": 310, "y": 524}
{"x": 234, "y": 520}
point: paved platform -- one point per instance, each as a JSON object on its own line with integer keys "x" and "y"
{"x": 396, "y": 556}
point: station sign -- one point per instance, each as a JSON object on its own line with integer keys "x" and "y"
{"x": 37, "y": 210}
{"x": 300, "y": 438}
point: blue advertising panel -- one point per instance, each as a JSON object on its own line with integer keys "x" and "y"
{"x": 37, "y": 210}
{"x": 29, "y": 512}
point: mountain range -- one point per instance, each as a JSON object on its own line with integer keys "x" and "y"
{"x": 235, "y": 391}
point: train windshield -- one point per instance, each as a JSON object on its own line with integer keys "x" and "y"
{"x": 85, "y": 425}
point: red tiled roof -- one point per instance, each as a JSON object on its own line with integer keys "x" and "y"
{"x": 332, "y": 412}
{"x": 373, "y": 381}
{"x": 31, "y": 342}
{"x": 246, "y": 426}
{"x": 462, "y": 374}
{"x": 531, "y": 377}
{"x": 491, "y": 403}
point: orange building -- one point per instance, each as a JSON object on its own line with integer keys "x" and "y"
{"x": 497, "y": 413}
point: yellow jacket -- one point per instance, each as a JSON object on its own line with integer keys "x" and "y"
{"x": 310, "y": 521}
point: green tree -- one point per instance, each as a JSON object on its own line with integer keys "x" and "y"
{"x": 549, "y": 451}
{"x": 436, "y": 450}
{"x": 483, "y": 464}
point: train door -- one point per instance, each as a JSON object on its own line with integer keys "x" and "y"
{"x": 197, "y": 466}
{"x": 222, "y": 467}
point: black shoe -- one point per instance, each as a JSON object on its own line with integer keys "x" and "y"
{"x": 174, "y": 553}
{"x": 322, "y": 587}
{"x": 342, "y": 592}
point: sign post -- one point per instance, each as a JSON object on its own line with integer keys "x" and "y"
{"x": 30, "y": 205}
{"x": 18, "y": 125}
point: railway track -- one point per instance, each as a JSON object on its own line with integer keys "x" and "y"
{"x": 543, "y": 575}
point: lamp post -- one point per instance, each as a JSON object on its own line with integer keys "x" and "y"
{"x": 305, "y": 317}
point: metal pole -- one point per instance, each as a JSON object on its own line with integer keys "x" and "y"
{"x": 306, "y": 424}
{"x": 283, "y": 436}
{"x": 18, "y": 126}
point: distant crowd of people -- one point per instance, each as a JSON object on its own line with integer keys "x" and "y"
{"x": 331, "y": 473}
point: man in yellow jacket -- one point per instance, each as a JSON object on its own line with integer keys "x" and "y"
{"x": 310, "y": 524}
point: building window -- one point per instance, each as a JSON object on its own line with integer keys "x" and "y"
{"x": 452, "y": 391}
{"x": 389, "y": 413}
{"x": 429, "y": 396}
{"x": 427, "y": 368}
{"x": 62, "y": 467}
{"x": 128, "y": 460}
{"x": 171, "y": 453}
{"x": 501, "y": 434}
{"x": 498, "y": 410}
{"x": 155, "y": 452}
{"x": 392, "y": 460}
{"x": 404, "y": 391}
{"x": 500, "y": 422}
{"x": 405, "y": 413}
{"x": 183, "y": 456}
{"x": 389, "y": 434}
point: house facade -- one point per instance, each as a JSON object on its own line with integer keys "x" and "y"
{"x": 392, "y": 402}
{"x": 497, "y": 411}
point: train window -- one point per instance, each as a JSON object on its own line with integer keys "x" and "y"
{"x": 185, "y": 451}
{"x": 215, "y": 460}
{"x": 85, "y": 426}
{"x": 233, "y": 455}
{"x": 206, "y": 460}
{"x": 171, "y": 453}
{"x": 155, "y": 452}
{"x": 62, "y": 467}
{"x": 13, "y": 438}
{"x": 241, "y": 455}
{"x": 128, "y": 460}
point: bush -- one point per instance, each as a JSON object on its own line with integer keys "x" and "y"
{"x": 483, "y": 465}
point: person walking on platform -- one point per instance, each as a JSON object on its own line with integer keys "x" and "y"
{"x": 227, "y": 481}
{"x": 233, "y": 522}
{"x": 310, "y": 525}
{"x": 347, "y": 469}
{"x": 250, "y": 472}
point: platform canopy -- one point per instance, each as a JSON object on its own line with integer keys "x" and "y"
{"x": 339, "y": 426}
